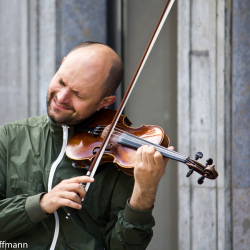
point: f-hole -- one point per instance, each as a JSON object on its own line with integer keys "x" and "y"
{"x": 108, "y": 148}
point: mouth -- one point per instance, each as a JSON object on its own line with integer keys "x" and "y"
{"x": 60, "y": 106}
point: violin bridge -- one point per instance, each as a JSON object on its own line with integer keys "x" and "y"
{"x": 105, "y": 131}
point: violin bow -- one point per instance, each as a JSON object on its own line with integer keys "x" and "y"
{"x": 97, "y": 159}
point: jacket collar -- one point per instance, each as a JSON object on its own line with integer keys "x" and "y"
{"x": 57, "y": 130}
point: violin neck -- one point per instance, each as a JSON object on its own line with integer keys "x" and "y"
{"x": 133, "y": 141}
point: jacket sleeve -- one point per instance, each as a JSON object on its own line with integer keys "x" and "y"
{"x": 128, "y": 228}
{"x": 16, "y": 215}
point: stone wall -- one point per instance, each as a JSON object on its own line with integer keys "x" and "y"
{"x": 34, "y": 38}
{"x": 213, "y": 117}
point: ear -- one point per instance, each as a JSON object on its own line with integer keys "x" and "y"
{"x": 106, "y": 101}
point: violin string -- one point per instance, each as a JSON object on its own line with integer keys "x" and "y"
{"x": 119, "y": 132}
{"x": 158, "y": 147}
{"x": 170, "y": 152}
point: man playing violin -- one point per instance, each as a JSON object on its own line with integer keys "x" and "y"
{"x": 117, "y": 209}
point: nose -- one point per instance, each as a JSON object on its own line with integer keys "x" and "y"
{"x": 64, "y": 95}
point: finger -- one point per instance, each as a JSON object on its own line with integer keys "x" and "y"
{"x": 159, "y": 160}
{"x": 69, "y": 203}
{"x": 144, "y": 160}
{"x": 83, "y": 192}
{"x": 150, "y": 155}
{"x": 70, "y": 196}
{"x": 166, "y": 159}
{"x": 77, "y": 188}
{"x": 147, "y": 153}
{"x": 80, "y": 179}
{"x": 138, "y": 155}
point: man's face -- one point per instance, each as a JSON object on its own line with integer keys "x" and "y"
{"x": 76, "y": 91}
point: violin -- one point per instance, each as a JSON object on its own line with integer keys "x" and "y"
{"x": 121, "y": 149}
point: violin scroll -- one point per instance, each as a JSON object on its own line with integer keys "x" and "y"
{"x": 207, "y": 171}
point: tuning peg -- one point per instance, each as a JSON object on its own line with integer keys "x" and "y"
{"x": 189, "y": 172}
{"x": 201, "y": 179}
{"x": 198, "y": 155}
{"x": 209, "y": 162}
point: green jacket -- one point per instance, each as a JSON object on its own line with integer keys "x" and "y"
{"x": 28, "y": 148}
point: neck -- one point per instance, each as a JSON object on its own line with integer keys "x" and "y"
{"x": 136, "y": 142}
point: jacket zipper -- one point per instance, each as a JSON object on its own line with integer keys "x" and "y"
{"x": 51, "y": 177}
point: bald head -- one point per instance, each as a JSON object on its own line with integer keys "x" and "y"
{"x": 84, "y": 83}
{"x": 103, "y": 58}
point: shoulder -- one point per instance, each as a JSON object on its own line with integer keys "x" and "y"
{"x": 22, "y": 134}
{"x": 29, "y": 122}
{"x": 21, "y": 127}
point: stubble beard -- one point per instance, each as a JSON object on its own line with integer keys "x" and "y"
{"x": 59, "y": 118}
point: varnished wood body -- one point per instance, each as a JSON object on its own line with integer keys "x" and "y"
{"x": 82, "y": 146}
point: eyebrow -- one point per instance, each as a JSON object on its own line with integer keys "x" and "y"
{"x": 61, "y": 81}
{"x": 75, "y": 91}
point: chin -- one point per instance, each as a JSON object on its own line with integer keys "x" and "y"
{"x": 55, "y": 117}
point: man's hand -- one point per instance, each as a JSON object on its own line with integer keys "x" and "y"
{"x": 149, "y": 168}
{"x": 68, "y": 193}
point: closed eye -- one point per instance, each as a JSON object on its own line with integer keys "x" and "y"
{"x": 76, "y": 93}
{"x": 61, "y": 82}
